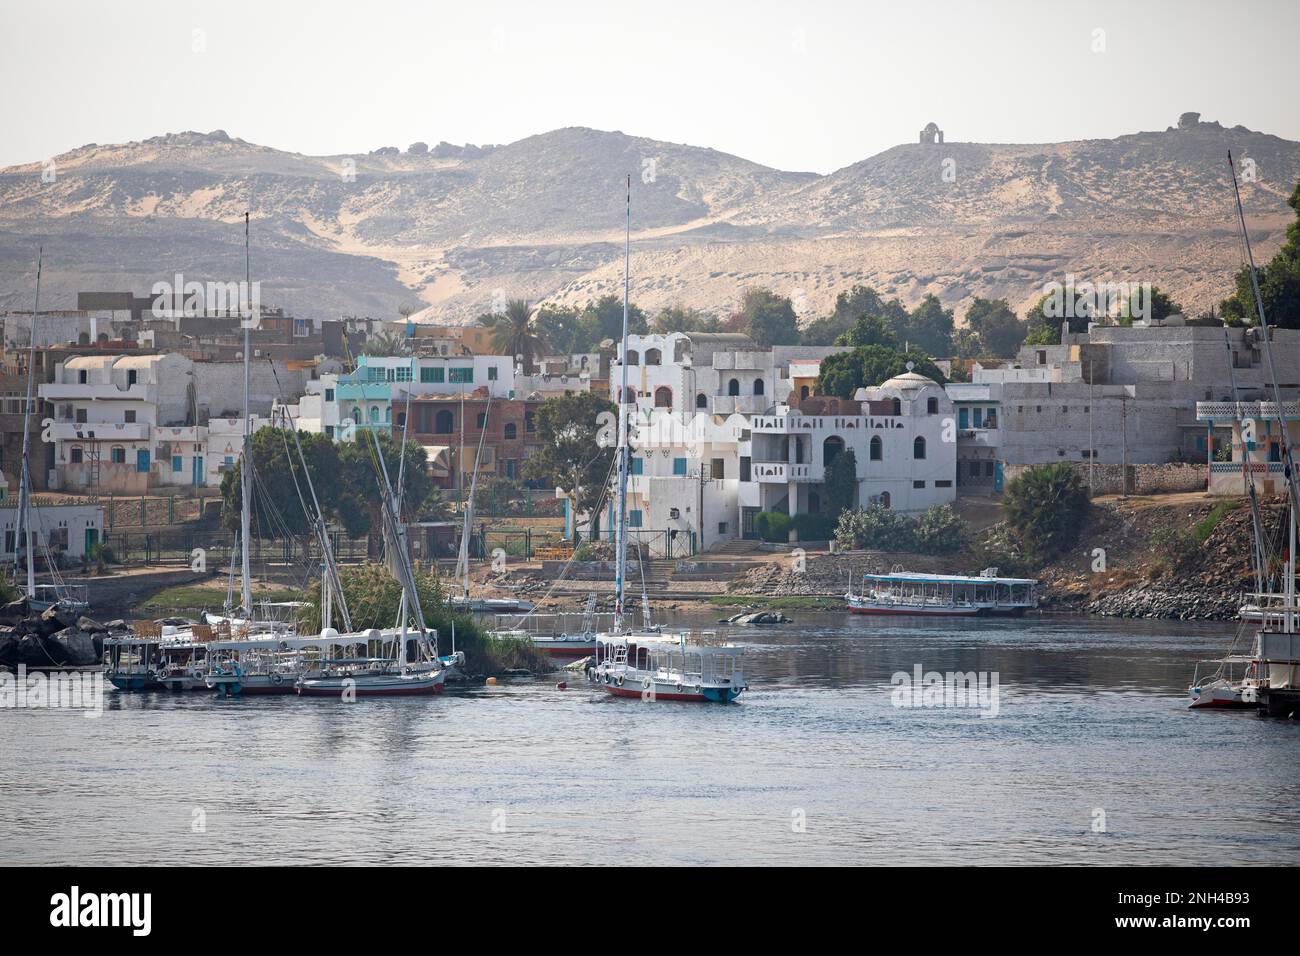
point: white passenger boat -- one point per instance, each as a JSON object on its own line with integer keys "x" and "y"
{"x": 158, "y": 656}
{"x": 386, "y": 662}
{"x": 654, "y": 667}
{"x": 944, "y": 595}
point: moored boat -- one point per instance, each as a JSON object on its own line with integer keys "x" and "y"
{"x": 653, "y": 667}
{"x": 944, "y": 595}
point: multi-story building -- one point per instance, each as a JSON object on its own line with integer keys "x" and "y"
{"x": 1258, "y": 445}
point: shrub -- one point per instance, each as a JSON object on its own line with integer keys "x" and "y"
{"x": 1046, "y": 508}
{"x": 772, "y": 526}
{"x": 940, "y": 531}
{"x": 813, "y": 527}
{"x": 875, "y": 528}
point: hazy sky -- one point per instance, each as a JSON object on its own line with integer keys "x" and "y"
{"x": 807, "y": 86}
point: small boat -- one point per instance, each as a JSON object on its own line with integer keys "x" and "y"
{"x": 1230, "y": 683}
{"x": 943, "y": 595}
{"x": 649, "y": 666}
{"x": 66, "y": 597}
{"x": 364, "y": 669}
{"x": 257, "y": 664}
{"x": 480, "y": 605}
{"x": 559, "y": 635}
{"x": 158, "y": 657}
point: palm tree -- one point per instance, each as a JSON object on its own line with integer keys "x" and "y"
{"x": 513, "y": 333}
{"x": 386, "y": 343}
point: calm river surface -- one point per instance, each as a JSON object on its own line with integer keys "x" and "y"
{"x": 814, "y": 764}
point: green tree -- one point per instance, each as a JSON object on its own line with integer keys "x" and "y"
{"x": 513, "y": 333}
{"x": 603, "y": 319}
{"x": 996, "y": 330}
{"x": 560, "y": 326}
{"x": 843, "y": 373}
{"x": 386, "y": 344}
{"x": 1046, "y": 508}
{"x": 841, "y": 483}
{"x": 768, "y": 318}
{"x": 1161, "y": 306}
{"x": 1279, "y": 283}
{"x": 869, "y": 330}
{"x": 929, "y": 327}
{"x": 679, "y": 319}
{"x": 359, "y": 466}
{"x": 578, "y": 434}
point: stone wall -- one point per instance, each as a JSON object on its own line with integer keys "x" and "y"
{"x": 1142, "y": 479}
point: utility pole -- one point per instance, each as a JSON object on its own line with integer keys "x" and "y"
{"x": 1123, "y": 419}
{"x": 1092, "y": 450}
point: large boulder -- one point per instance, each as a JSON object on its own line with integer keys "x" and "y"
{"x": 14, "y": 611}
{"x": 9, "y": 650}
{"x": 80, "y": 647}
{"x": 91, "y": 627}
{"x": 35, "y": 650}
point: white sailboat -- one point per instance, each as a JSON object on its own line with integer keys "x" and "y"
{"x": 40, "y": 597}
{"x": 649, "y": 664}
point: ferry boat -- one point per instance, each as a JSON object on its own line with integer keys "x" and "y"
{"x": 696, "y": 668}
{"x": 358, "y": 664}
{"x": 944, "y": 595}
{"x": 158, "y": 656}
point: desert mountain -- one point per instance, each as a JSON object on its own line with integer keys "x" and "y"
{"x": 449, "y": 229}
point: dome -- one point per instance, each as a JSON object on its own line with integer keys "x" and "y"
{"x": 909, "y": 382}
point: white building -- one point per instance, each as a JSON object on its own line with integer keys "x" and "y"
{"x": 67, "y": 530}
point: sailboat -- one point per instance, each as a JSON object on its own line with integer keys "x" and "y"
{"x": 398, "y": 661}
{"x": 649, "y": 664}
{"x": 40, "y": 597}
{"x": 1271, "y": 677}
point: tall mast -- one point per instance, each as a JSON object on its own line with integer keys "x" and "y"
{"x": 1292, "y": 478}
{"x": 23, "y": 536}
{"x": 245, "y": 479}
{"x": 620, "y": 544}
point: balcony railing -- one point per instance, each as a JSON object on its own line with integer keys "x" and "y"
{"x": 778, "y": 472}
{"x": 1236, "y": 411}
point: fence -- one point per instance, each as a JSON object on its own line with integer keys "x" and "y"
{"x": 218, "y": 547}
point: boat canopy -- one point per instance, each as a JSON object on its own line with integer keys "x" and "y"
{"x": 919, "y": 577}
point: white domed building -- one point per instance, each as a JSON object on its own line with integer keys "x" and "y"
{"x": 909, "y": 462}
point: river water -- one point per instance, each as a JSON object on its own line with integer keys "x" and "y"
{"x": 1092, "y": 758}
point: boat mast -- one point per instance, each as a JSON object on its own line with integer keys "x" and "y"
{"x": 23, "y": 537}
{"x": 1248, "y": 478}
{"x": 620, "y": 544}
{"x": 462, "y": 561}
{"x": 245, "y": 479}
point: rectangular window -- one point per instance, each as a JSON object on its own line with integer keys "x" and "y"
{"x": 482, "y": 420}
{"x": 944, "y": 483}
{"x": 117, "y": 456}
{"x": 128, "y": 416}
{"x": 979, "y": 418}
{"x": 988, "y": 469}
{"x": 74, "y": 456}
{"x": 722, "y": 527}
{"x": 176, "y": 464}
{"x": 464, "y": 376}
{"x": 403, "y": 374}
{"x": 329, "y": 394}
{"x": 717, "y": 469}
{"x": 638, "y": 466}
{"x": 679, "y": 466}
{"x": 301, "y": 328}
{"x": 963, "y": 418}
{"x": 634, "y": 518}
{"x": 492, "y": 373}
{"x": 80, "y": 416}
{"x": 329, "y": 431}
{"x": 918, "y": 484}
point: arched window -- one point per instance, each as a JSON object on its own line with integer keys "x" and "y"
{"x": 884, "y": 500}
{"x": 374, "y": 413}
{"x": 653, "y": 357}
{"x": 831, "y": 449}
{"x": 898, "y": 407}
{"x": 443, "y": 423}
{"x": 758, "y": 386}
{"x": 877, "y": 448}
{"x": 663, "y": 394}
{"x": 356, "y": 414}
{"x": 701, "y": 400}
{"x": 932, "y": 406}
{"x": 388, "y": 413}
{"x": 918, "y": 447}
{"x": 633, "y": 358}
{"x": 803, "y": 391}
{"x": 733, "y": 387}
{"x": 512, "y": 430}
{"x": 629, "y": 396}
{"x": 401, "y": 419}
{"x": 481, "y": 422}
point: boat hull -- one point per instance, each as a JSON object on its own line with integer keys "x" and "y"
{"x": 388, "y": 686}
{"x": 867, "y": 607}
{"x": 664, "y": 690}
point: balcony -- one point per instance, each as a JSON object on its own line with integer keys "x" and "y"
{"x": 68, "y": 391}
{"x": 100, "y": 431}
{"x": 1237, "y": 411}
{"x": 741, "y": 361}
{"x": 781, "y": 472}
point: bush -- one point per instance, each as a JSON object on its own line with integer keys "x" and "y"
{"x": 813, "y": 527}
{"x": 937, "y": 531}
{"x": 940, "y": 531}
{"x": 1047, "y": 508}
{"x": 772, "y": 526}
